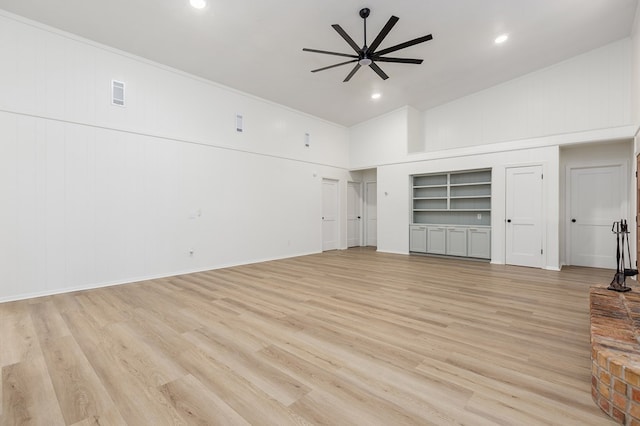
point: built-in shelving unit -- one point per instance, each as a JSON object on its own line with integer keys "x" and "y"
{"x": 452, "y": 212}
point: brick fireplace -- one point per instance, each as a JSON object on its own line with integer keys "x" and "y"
{"x": 615, "y": 353}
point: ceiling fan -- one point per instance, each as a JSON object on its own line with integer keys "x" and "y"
{"x": 367, "y": 55}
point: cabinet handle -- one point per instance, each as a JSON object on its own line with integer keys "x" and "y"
{"x": 472, "y": 229}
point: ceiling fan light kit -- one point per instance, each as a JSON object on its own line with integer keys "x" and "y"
{"x": 368, "y": 55}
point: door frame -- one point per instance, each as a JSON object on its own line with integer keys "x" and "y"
{"x": 360, "y": 201}
{"x": 567, "y": 206}
{"x": 365, "y": 198}
{"x": 543, "y": 207}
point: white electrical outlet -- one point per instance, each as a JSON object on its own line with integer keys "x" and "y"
{"x": 479, "y": 216}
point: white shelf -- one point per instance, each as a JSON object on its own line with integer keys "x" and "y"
{"x": 460, "y": 198}
{"x": 470, "y": 184}
{"x": 466, "y": 196}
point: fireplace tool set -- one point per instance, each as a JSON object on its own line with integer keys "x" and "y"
{"x": 619, "y": 280}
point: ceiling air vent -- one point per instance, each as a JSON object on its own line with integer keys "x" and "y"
{"x": 117, "y": 92}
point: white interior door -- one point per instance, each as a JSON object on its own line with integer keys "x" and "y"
{"x": 523, "y": 212}
{"x": 596, "y": 200}
{"x": 329, "y": 214}
{"x": 372, "y": 213}
{"x": 354, "y": 214}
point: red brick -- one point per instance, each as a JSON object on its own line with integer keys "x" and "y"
{"x": 602, "y": 360}
{"x": 631, "y": 377}
{"x": 595, "y": 371}
{"x": 619, "y": 416}
{"x": 605, "y": 377}
{"x": 634, "y": 422}
{"x": 635, "y": 394}
{"x": 615, "y": 369}
{"x": 594, "y": 393}
{"x": 620, "y": 400}
{"x": 604, "y": 404}
{"x": 634, "y": 410}
{"x": 604, "y": 390}
{"x": 620, "y": 386}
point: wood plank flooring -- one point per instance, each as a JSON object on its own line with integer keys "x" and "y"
{"x": 347, "y": 337}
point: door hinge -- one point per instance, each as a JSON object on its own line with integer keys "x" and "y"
{"x": 636, "y": 173}
{"x": 542, "y": 176}
{"x": 541, "y": 251}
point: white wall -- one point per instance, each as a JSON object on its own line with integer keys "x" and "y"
{"x": 587, "y": 92}
{"x": 379, "y": 141}
{"x": 635, "y": 69}
{"x": 523, "y": 121}
{"x": 95, "y": 194}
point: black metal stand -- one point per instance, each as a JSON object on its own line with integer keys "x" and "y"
{"x": 619, "y": 279}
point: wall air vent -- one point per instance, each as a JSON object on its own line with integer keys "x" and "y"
{"x": 117, "y": 93}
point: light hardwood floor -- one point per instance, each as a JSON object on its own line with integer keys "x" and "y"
{"x": 347, "y": 337}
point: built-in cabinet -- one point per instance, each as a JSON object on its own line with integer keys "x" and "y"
{"x": 436, "y": 240}
{"x": 418, "y": 239}
{"x": 451, "y": 214}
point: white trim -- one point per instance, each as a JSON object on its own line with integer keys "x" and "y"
{"x": 393, "y": 252}
{"x": 565, "y": 139}
{"x": 366, "y": 215}
{"x": 24, "y": 296}
{"x": 173, "y": 139}
{"x": 362, "y": 207}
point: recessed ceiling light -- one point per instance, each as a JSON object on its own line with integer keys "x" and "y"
{"x": 376, "y": 96}
{"x": 198, "y": 4}
{"x": 501, "y": 38}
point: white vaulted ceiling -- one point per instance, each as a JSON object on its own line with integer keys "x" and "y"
{"x": 256, "y": 46}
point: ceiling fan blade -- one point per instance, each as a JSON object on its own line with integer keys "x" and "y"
{"x": 353, "y": 71}
{"x": 378, "y": 71}
{"x": 405, "y": 44}
{"x": 348, "y": 55}
{"x": 335, "y": 65}
{"x": 383, "y": 33}
{"x": 345, "y": 36}
{"x": 398, "y": 60}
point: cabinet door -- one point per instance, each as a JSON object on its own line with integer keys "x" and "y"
{"x": 457, "y": 241}
{"x": 418, "y": 239}
{"x": 436, "y": 240}
{"x": 479, "y": 243}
